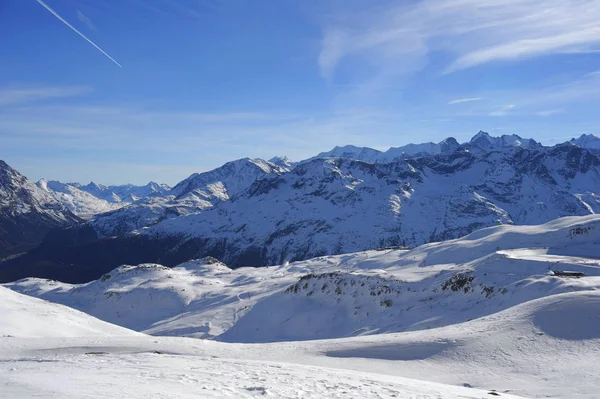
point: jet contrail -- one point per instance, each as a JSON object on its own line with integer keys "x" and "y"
{"x": 76, "y": 31}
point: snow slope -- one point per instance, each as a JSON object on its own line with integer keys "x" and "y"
{"x": 25, "y": 316}
{"x": 362, "y": 293}
{"x": 184, "y": 368}
{"x": 543, "y": 348}
{"x": 476, "y": 317}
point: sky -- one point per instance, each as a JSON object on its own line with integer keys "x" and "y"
{"x": 130, "y": 91}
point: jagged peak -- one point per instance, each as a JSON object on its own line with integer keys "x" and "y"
{"x": 281, "y": 161}
{"x": 481, "y": 135}
{"x": 589, "y": 141}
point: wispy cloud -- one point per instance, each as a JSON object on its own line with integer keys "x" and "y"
{"x": 85, "y": 20}
{"x": 550, "y": 112}
{"x": 400, "y": 35}
{"x": 464, "y": 100}
{"x": 10, "y": 96}
{"x": 47, "y": 7}
{"x": 502, "y": 111}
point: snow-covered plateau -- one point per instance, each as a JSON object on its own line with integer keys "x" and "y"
{"x": 507, "y": 311}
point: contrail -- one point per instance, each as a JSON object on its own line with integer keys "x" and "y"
{"x": 76, "y": 31}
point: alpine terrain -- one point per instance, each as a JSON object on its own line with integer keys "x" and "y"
{"x": 27, "y": 213}
{"x": 506, "y": 311}
{"x": 257, "y": 213}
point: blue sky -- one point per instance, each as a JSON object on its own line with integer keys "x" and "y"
{"x": 203, "y": 82}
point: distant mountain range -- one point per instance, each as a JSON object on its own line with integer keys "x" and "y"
{"x": 482, "y": 141}
{"x": 255, "y": 212}
{"x": 27, "y": 213}
{"x": 88, "y": 200}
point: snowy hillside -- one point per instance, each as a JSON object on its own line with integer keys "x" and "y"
{"x": 434, "y": 285}
{"x": 25, "y": 316}
{"x": 345, "y": 295}
{"x": 27, "y": 212}
{"x": 543, "y": 348}
{"x": 147, "y": 367}
{"x": 483, "y": 316}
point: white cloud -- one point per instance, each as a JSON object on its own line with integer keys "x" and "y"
{"x": 400, "y": 36}
{"x": 502, "y": 111}
{"x": 464, "y": 100}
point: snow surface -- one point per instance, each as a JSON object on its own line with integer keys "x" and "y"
{"x": 25, "y": 316}
{"x": 185, "y": 368}
{"x": 345, "y": 295}
{"x": 469, "y": 318}
{"x": 527, "y": 350}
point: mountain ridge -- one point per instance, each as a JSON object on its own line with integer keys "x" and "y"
{"x": 27, "y": 212}
{"x": 325, "y": 206}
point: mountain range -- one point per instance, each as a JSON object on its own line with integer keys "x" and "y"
{"x": 254, "y": 212}
{"x": 27, "y": 213}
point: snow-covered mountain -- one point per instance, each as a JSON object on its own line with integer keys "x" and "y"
{"x": 124, "y": 193}
{"x": 27, "y": 212}
{"x": 328, "y": 206}
{"x": 198, "y": 192}
{"x": 78, "y": 201}
{"x": 225, "y": 181}
{"x": 352, "y": 152}
{"x": 94, "y": 199}
{"x": 481, "y": 143}
{"x": 587, "y": 141}
{"x": 282, "y": 161}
